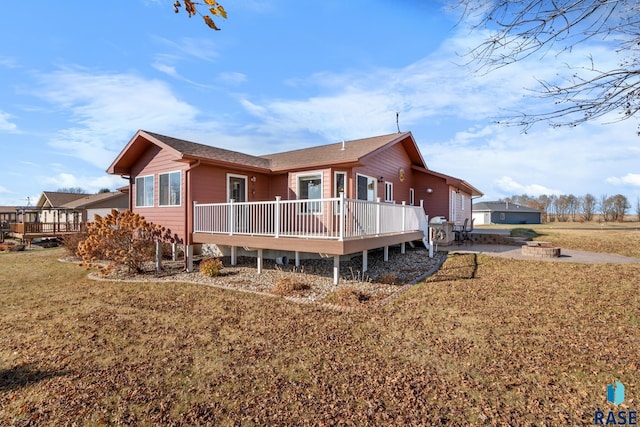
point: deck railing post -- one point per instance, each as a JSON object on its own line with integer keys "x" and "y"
{"x": 276, "y": 218}
{"x": 196, "y": 227}
{"x": 404, "y": 216}
{"x": 378, "y": 206}
{"x": 231, "y": 217}
{"x": 341, "y": 216}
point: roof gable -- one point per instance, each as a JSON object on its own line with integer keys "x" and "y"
{"x": 342, "y": 152}
{"x": 56, "y": 199}
{"x": 182, "y": 150}
{"x": 91, "y": 199}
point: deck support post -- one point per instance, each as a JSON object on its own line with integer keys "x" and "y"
{"x": 189, "y": 253}
{"x": 259, "y": 261}
{"x": 234, "y": 255}
{"x": 297, "y": 258}
{"x": 158, "y": 256}
{"x": 174, "y": 251}
{"x": 386, "y": 253}
{"x": 365, "y": 262}
{"x": 403, "y": 247}
{"x": 336, "y": 269}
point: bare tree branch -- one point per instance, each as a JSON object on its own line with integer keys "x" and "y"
{"x": 519, "y": 29}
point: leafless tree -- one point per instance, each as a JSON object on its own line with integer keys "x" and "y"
{"x": 618, "y": 206}
{"x": 521, "y": 29}
{"x": 588, "y": 204}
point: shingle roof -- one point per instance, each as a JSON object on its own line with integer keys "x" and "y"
{"x": 341, "y": 152}
{"x": 91, "y": 199}
{"x": 502, "y": 207}
{"x": 353, "y": 151}
{"x": 194, "y": 149}
{"x": 58, "y": 199}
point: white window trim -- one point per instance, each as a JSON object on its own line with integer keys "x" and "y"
{"x": 375, "y": 186}
{"x": 246, "y": 185}
{"x": 412, "y": 196}
{"x": 336, "y": 192}
{"x": 144, "y": 177}
{"x": 388, "y": 192}
{"x": 160, "y": 189}
{"x": 298, "y": 189}
{"x": 335, "y": 180}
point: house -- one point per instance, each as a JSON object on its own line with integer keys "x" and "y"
{"x": 78, "y": 208}
{"x": 332, "y": 200}
{"x": 57, "y": 213}
{"x": 505, "y": 213}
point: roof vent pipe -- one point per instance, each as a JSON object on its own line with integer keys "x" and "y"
{"x": 343, "y": 146}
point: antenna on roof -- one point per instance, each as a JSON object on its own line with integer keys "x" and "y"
{"x": 28, "y": 199}
{"x": 397, "y": 121}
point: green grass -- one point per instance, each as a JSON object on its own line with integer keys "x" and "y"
{"x": 484, "y": 341}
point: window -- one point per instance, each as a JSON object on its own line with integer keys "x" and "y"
{"x": 144, "y": 191}
{"x": 453, "y": 206}
{"x": 462, "y": 202}
{"x": 310, "y": 187}
{"x": 340, "y": 184}
{"x": 412, "y": 196}
{"x": 388, "y": 191}
{"x": 169, "y": 189}
{"x": 366, "y": 188}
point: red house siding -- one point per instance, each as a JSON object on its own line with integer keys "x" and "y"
{"x": 385, "y": 166}
{"x": 154, "y": 162}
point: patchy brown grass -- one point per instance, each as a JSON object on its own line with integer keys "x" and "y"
{"x": 484, "y": 341}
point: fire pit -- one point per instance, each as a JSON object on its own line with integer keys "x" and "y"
{"x": 540, "y": 250}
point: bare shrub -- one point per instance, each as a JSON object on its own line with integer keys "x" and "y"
{"x": 290, "y": 286}
{"x": 72, "y": 241}
{"x": 124, "y": 239}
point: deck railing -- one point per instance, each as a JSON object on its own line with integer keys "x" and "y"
{"x": 45, "y": 227}
{"x": 334, "y": 218}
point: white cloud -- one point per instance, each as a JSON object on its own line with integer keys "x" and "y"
{"x": 91, "y": 184}
{"x": 108, "y": 108}
{"x": 509, "y": 186}
{"x": 628, "y": 179}
{"x": 5, "y": 123}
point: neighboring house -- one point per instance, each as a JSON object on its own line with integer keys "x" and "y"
{"x": 52, "y": 210}
{"x": 290, "y": 201}
{"x": 505, "y": 213}
{"x": 78, "y": 208}
{"x": 87, "y": 207}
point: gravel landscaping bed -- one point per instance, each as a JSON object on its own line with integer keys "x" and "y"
{"x": 314, "y": 277}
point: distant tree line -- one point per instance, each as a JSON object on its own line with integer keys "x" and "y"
{"x": 565, "y": 207}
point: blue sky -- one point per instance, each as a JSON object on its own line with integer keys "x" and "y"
{"x": 78, "y": 80}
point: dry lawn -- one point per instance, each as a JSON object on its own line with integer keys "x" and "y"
{"x": 484, "y": 341}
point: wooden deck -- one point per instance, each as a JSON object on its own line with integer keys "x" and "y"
{"x": 27, "y": 231}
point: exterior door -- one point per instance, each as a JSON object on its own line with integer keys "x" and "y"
{"x": 237, "y": 191}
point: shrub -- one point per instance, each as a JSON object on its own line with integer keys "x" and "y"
{"x": 72, "y": 241}
{"x": 290, "y": 286}
{"x": 210, "y": 267}
{"x": 124, "y": 239}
